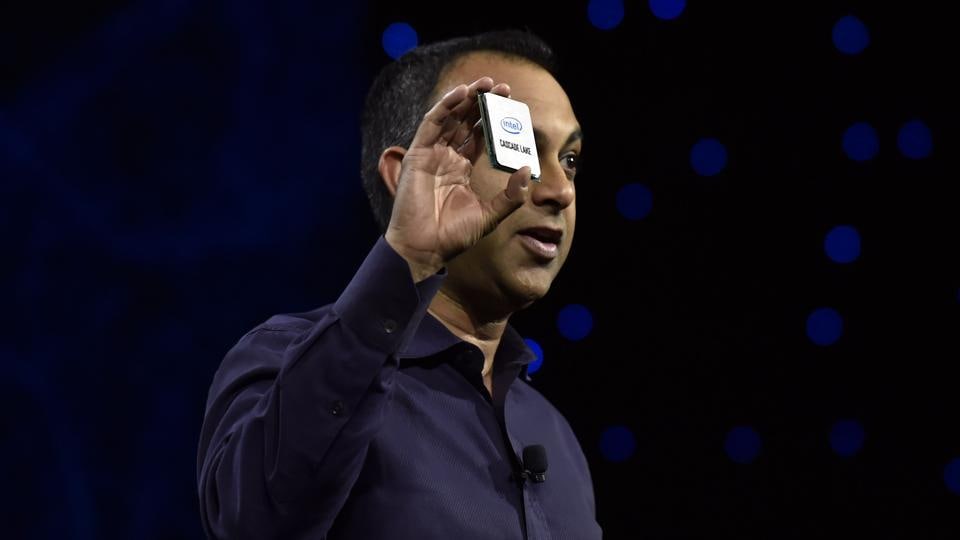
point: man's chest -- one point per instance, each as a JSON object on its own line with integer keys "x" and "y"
{"x": 440, "y": 467}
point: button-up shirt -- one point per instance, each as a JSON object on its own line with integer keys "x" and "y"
{"x": 369, "y": 419}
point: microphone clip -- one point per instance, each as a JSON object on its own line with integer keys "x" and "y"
{"x": 533, "y": 465}
{"x": 536, "y": 477}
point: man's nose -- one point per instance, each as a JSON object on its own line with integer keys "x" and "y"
{"x": 554, "y": 188}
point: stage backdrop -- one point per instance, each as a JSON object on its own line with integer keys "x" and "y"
{"x": 755, "y": 335}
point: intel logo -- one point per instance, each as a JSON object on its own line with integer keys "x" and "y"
{"x": 511, "y": 125}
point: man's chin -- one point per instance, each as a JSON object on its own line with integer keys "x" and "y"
{"x": 529, "y": 285}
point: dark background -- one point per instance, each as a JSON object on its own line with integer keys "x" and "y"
{"x": 172, "y": 173}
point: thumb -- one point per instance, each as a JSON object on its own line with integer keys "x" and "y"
{"x": 508, "y": 200}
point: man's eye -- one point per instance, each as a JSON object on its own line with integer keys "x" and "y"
{"x": 571, "y": 162}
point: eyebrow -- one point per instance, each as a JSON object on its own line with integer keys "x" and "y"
{"x": 540, "y": 138}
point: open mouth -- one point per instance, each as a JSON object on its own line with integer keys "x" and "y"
{"x": 542, "y": 241}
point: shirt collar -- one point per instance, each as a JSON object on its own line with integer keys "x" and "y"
{"x": 432, "y": 337}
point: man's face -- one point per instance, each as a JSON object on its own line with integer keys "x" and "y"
{"x": 516, "y": 263}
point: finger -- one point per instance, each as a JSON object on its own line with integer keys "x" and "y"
{"x": 508, "y": 200}
{"x": 465, "y": 109}
{"x": 477, "y": 87}
{"x": 428, "y": 133}
{"x": 471, "y": 119}
{"x": 467, "y": 128}
{"x": 473, "y": 146}
{"x": 501, "y": 89}
{"x": 471, "y": 123}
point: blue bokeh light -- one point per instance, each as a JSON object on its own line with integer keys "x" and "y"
{"x": 850, "y": 35}
{"x": 846, "y": 437}
{"x": 824, "y": 326}
{"x": 399, "y": 38}
{"x": 708, "y": 157}
{"x": 667, "y": 9}
{"x": 915, "y": 140}
{"x": 534, "y": 366}
{"x": 605, "y": 14}
{"x": 742, "y": 444}
{"x": 951, "y": 475}
{"x": 634, "y": 201}
{"x": 617, "y": 444}
{"x": 860, "y": 142}
{"x": 842, "y": 244}
{"x": 575, "y": 322}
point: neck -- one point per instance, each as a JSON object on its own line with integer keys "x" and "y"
{"x": 464, "y": 322}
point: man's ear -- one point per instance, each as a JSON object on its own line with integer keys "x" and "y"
{"x": 389, "y": 167}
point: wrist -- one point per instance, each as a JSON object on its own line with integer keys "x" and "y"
{"x": 420, "y": 267}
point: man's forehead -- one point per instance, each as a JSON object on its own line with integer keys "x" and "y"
{"x": 523, "y": 75}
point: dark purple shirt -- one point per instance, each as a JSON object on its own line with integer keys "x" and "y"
{"x": 368, "y": 419}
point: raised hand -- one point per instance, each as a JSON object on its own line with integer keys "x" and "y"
{"x": 436, "y": 213}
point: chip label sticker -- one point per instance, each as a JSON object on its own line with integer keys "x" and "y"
{"x": 509, "y": 134}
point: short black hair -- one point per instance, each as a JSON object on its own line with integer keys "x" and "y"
{"x": 398, "y": 98}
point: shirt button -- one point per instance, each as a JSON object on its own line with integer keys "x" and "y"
{"x": 336, "y": 408}
{"x": 389, "y": 326}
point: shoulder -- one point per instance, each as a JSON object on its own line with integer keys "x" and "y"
{"x": 294, "y": 322}
{"x": 281, "y": 329}
{"x": 258, "y": 354}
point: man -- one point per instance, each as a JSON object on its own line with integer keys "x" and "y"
{"x": 399, "y": 411}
